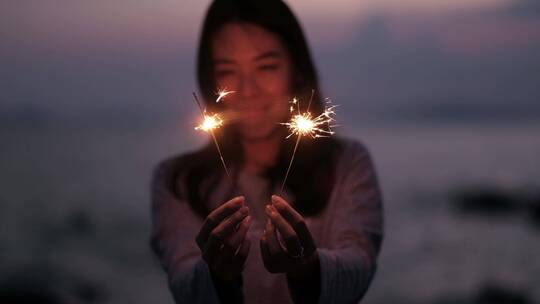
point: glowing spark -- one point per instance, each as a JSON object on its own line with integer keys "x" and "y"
{"x": 210, "y": 122}
{"x": 304, "y": 124}
{"x": 222, "y": 93}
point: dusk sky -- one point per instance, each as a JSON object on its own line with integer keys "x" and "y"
{"x": 418, "y": 57}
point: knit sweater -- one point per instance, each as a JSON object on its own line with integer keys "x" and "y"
{"x": 348, "y": 235}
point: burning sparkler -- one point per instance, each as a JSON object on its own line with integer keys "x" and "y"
{"x": 222, "y": 93}
{"x": 305, "y": 124}
{"x": 210, "y": 123}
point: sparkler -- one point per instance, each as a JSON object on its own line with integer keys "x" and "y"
{"x": 305, "y": 124}
{"x": 222, "y": 93}
{"x": 210, "y": 123}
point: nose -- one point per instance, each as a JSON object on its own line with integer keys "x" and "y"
{"x": 248, "y": 87}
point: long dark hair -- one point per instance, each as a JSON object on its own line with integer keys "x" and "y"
{"x": 312, "y": 177}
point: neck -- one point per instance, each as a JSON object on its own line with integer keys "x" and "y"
{"x": 261, "y": 154}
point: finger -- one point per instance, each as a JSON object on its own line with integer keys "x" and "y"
{"x": 265, "y": 252}
{"x": 287, "y": 232}
{"x": 235, "y": 263}
{"x": 227, "y": 226}
{"x": 241, "y": 257}
{"x": 274, "y": 246}
{"x": 212, "y": 246}
{"x": 296, "y": 221}
{"x": 216, "y": 216}
{"x": 233, "y": 242}
{"x": 211, "y": 251}
{"x": 286, "y": 210}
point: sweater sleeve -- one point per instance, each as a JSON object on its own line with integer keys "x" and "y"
{"x": 348, "y": 265}
{"x": 174, "y": 228}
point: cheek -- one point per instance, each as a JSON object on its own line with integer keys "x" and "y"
{"x": 229, "y": 82}
{"x": 277, "y": 83}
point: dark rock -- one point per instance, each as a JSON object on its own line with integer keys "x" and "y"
{"x": 89, "y": 293}
{"x": 485, "y": 200}
{"x": 497, "y": 294}
{"x": 22, "y": 295}
{"x": 534, "y": 209}
{"x": 45, "y": 284}
{"x": 80, "y": 223}
{"x": 489, "y": 293}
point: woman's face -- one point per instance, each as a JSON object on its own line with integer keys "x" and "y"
{"x": 255, "y": 64}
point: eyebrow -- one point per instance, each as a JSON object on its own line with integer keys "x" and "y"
{"x": 269, "y": 54}
{"x": 265, "y": 55}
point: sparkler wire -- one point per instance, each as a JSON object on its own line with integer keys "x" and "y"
{"x": 215, "y": 140}
{"x": 296, "y": 145}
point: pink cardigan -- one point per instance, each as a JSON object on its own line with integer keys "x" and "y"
{"x": 348, "y": 234}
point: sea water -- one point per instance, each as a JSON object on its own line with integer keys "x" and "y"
{"x": 74, "y": 208}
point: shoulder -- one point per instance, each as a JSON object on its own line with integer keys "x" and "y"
{"x": 171, "y": 169}
{"x": 172, "y": 164}
{"x": 355, "y": 164}
{"x": 352, "y": 151}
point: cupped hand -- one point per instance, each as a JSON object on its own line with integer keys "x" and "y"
{"x": 298, "y": 256}
{"x": 222, "y": 238}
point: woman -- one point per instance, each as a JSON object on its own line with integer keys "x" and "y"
{"x": 247, "y": 242}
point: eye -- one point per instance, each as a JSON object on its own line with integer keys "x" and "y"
{"x": 269, "y": 67}
{"x": 224, "y": 73}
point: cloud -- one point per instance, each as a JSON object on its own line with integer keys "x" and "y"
{"x": 77, "y": 57}
{"x": 522, "y": 9}
{"x": 377, "y": 73}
